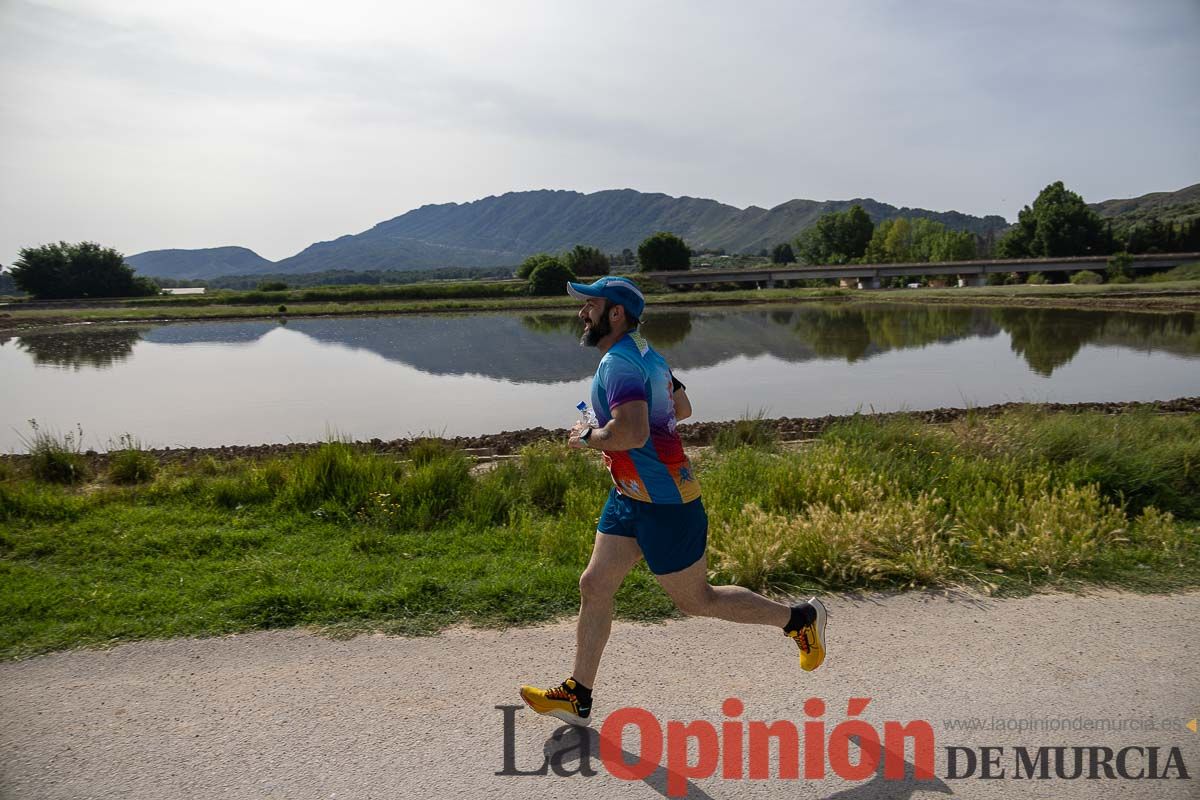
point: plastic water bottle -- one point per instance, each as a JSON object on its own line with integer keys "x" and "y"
{"x": 587, "y": 416}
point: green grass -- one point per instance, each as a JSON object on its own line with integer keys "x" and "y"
{"x": 348, "y": 541}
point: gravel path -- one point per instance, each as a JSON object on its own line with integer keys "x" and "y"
{"x": 290, "y": 714}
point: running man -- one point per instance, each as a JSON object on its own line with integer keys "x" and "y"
{"x": 654, "y": 509}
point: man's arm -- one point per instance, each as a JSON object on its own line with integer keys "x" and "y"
{"x": 683, "y": 406}
{"x": 627, "y": 430}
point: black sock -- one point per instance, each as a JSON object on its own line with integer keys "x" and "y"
{"x": 803, "y": 614}
{"x": 581, "y": 691}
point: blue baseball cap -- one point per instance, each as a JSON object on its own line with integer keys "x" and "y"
{"x": 621, "y": 291}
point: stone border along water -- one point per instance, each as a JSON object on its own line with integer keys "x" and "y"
{"x": 695, "y": 434}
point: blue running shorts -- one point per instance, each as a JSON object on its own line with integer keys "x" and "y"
{"x": 672, "y": 535}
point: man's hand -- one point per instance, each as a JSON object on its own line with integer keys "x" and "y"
{"x": 576, "y": 432}
{"x": 627, "y": 430}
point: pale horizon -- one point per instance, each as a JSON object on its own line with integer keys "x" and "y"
{"x": 148, "y": 126}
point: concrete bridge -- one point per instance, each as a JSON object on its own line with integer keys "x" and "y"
{"x": 869, "y": 276}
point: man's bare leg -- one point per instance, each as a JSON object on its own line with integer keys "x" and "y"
{"x": 694, "y": 595}
{"x": 612, "y": 559}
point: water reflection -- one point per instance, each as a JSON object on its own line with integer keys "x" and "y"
{"x": 1049, "y": 339}
{"x": 549, "y": 323}
{"x": 81, "y": 347}
{"x": 543, "y": 348}
{"x": 668, "y": 328}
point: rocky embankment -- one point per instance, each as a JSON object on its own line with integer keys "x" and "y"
{"x": 695, "y": 434}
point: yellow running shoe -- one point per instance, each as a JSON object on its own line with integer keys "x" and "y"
{"x": 563, "y": 701}
{"x": 810, "y": 637}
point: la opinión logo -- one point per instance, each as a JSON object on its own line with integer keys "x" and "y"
{"x": 739, "y": 749}
{"x": 672, "y": 755}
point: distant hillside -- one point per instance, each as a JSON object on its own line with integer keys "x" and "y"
{"x": 205, "y": 263}
{"x": 1167, "y": 206}
{"x": 502, "y": 231}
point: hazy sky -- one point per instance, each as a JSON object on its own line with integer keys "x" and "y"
{"x": 146, "y": 124}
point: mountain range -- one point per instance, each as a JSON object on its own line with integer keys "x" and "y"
{"x": 1167, "y": 206}
{"x": 502, "y": 231}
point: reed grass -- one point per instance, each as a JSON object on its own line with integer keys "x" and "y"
{"x": 54, "y": 456}
{"x": 753, "y": 430}
{"x": 130, "y": 463}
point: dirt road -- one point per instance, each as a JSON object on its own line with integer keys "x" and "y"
{"x": 291, "y": 714}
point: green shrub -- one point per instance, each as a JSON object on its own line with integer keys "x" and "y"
{"x": 494, "y": 496}
{"x": 272, "y": 286}
{"x": 131, "y": 463}
{"x": 1086, "y": 277}
{"x": 339, "y": 475}
{"x": 1036, "y": 279}
{"x": 533, "y": 262}
{"x": 749, "y": 431}
{"x": 432, "y": 492}
{"x": 208, "y": 466}
{"x": 422, "y": 451}
{"x": 1184, "y": 272}
{"x": 663, "y": 251}
{"x": 550, "y": 278}
{"x": 546, "y": 483}
{"x": 1137, "y": 460}
{"x": 549, "y": 470}
{"x": 585, "y": 260}
{"x": 54, "y": 457}
{"x": 1120, "y": 265}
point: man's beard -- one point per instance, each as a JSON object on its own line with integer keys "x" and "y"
{"x": 592, "y": 336}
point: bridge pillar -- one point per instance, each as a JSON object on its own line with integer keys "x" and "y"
{"x": 868, "y": 283}
{"x": 972, "y": 280}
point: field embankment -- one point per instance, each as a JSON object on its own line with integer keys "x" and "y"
{"x": 693, "y": 434}
{"x": 1174, "y": 296}
{"x": 347, "y": 539}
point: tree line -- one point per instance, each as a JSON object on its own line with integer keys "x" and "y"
{"x": 81, "y": 270}
{"x": 1057, "y": 224}
{"x": 547, "y": 272}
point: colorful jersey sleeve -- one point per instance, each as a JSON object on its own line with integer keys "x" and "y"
{"x": 623, "y": 381}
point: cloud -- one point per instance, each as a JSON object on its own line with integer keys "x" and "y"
{"x": 271, "y": 124}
